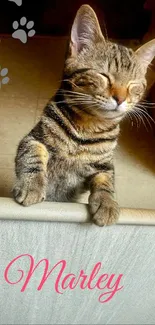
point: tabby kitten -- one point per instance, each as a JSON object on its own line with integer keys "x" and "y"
{"x": 71, "y": 149}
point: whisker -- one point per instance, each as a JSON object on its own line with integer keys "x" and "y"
{"x": 135, "y": 117}
{"x": 130, "y": 117}
{"x": 147, "y": 116}
{"x": 140, "y": 118}
{"x": 146, "y": 101}
{"x": 76, "y": 102}
{"x": 78, "y": 97}
{"x": 145, "y": 104}
{"x": 145, "y": 112}
{"x": 79, "y": 101}
{"x": 73, "y": 92}
{"x": 143, "y": 116}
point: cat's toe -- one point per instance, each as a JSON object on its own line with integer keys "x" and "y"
{"x": 104, "y": 209}
{"x": 28, "y": 194}
{"x": 19, "y": 193}
{"x": 106, "y": 216}
{"x": 33, "y": 197}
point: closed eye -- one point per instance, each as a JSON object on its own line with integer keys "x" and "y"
{"x": 106, "y": 76}
{"x": 84, "y": 83}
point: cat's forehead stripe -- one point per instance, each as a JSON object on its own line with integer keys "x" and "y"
{"x": 120, "y": 58}
{"x": 79, "y": 71}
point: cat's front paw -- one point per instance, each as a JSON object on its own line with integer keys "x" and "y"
{"x": 103, "y": 208}
{"x": 29, "y": 192}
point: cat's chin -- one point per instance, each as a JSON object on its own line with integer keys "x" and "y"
{"x": 112, "y": 115}
{"x": 113, "y": 111}
{"x": 116, "y": 118}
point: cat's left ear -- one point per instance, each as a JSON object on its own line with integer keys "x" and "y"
{"x": 85, "y": 30}
{"x": 146, "y": 53}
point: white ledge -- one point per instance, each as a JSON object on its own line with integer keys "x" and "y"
{"x": 68, "y": 212}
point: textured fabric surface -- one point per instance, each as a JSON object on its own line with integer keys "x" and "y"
{"x": 123, "y": 250}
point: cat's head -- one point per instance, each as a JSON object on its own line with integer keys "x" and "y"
{"x": 107, "y": 78}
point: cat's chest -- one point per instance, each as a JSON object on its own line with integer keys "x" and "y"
{"x": 77, "y": 162}
{"x": 67, "y": 173}
{"x": 71, "y": 154}
{"x": 65, "y": 178}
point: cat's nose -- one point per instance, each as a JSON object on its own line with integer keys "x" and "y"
{"x": 119, "y": 100}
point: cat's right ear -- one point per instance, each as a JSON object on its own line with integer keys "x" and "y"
{"x": 85, "y": 30}
{"x": 146, "y": 53}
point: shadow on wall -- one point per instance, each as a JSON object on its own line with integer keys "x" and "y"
{"x": 137, "y": 140}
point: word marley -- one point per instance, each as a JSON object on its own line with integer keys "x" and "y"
{"x": 107, "y": 284}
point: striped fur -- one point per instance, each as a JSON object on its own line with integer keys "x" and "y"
{"x": 71, "y": 149}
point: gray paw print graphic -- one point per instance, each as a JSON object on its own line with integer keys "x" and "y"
{"x": 20, "y": 33}
{"x": 3, "y": 79}
{"x": 18, "y": 2}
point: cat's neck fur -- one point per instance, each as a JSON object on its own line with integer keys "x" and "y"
{"x": 83, "y": 120}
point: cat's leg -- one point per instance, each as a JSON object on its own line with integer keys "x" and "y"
{"x": 31, "y": 170}
{"x": 102, "y": 205}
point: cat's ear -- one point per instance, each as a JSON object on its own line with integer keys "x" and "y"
{"x": 146, "y": 53}
{"x": 85, "y": 30}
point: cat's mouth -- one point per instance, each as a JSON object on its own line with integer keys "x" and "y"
{"x": 113, "y": 112}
